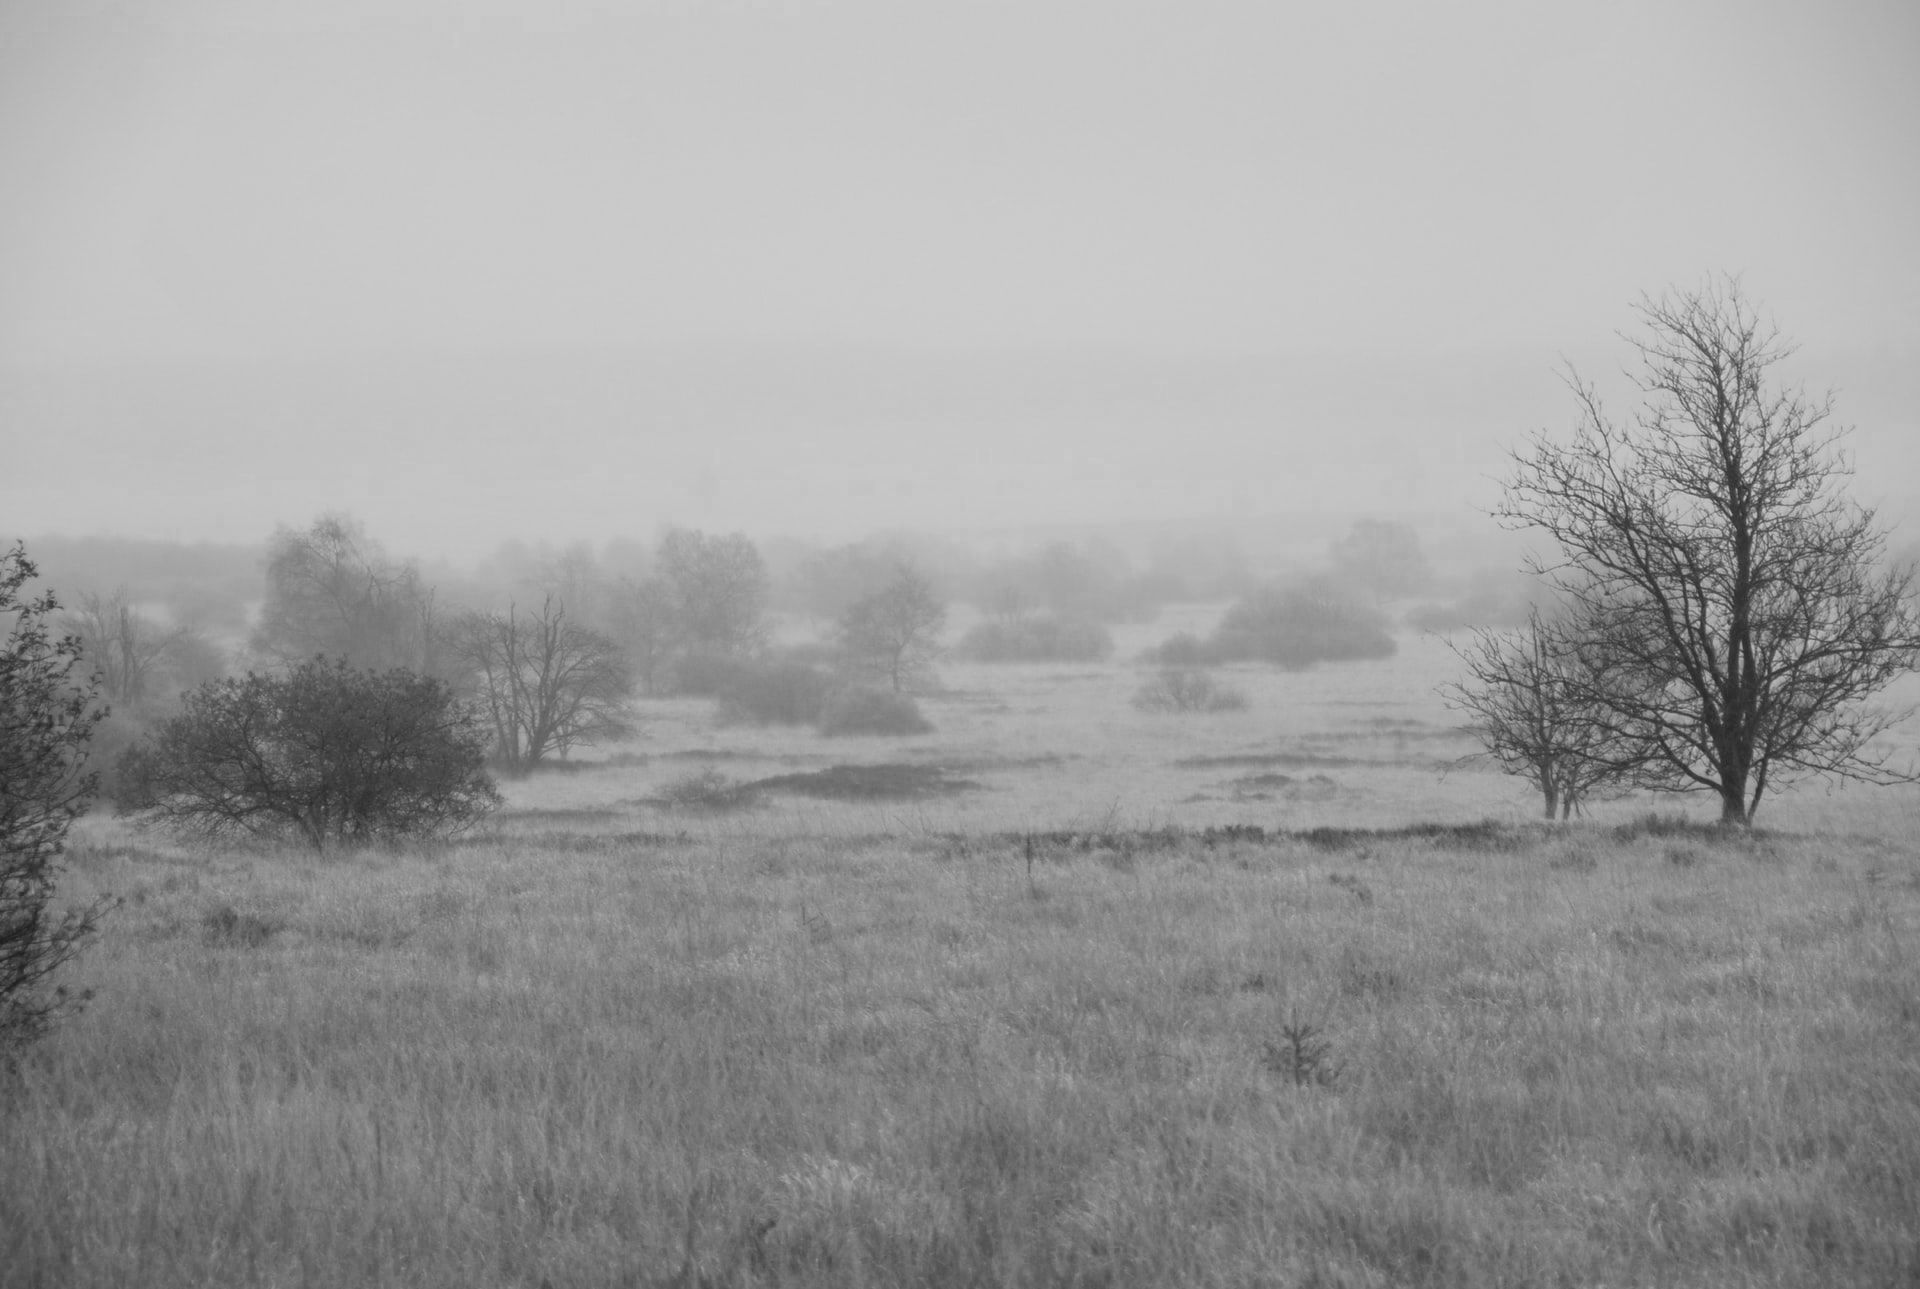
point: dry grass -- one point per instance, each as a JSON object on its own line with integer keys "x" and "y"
{"x": 833, "y": 1044}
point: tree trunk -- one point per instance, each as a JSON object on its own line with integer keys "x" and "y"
{"x": 1733, "y": 804}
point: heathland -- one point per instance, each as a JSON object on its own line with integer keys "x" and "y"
{"x": 1061, "y": 993}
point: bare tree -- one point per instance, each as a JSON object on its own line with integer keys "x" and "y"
{"x": 645, "y": 622}
{"x": 332, "y": 591}
{"x": 1722, "y": 590}
{"x": 720, "y": 590}
{"x": 1534, "y": 708}
{"x": 548, "y": 684}
{"x": 895, "y": 632}
{"x": 126, "y": 649}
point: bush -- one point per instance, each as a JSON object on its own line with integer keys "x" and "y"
{"x": 325, "y": 753}
{"x": 1043, "y": 638}
{"x": 47, "y": 715}
{"x": 1183, "y": 649}
{"x": 1182, "y": 689}
{"x": 787, "y": 693}
{"x": 1297, "y": 626}
{"x": 872, "y": 711}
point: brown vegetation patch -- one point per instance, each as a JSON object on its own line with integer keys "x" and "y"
{"x": 889, "y": 781}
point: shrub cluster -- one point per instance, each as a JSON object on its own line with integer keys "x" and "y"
{"x": 798, "y": 693}
{"x": 1185, "y": 689}
{"x": 1290, "y": 626}
{"x": 860, "y": 710}
{"x": 1041, "y": 638}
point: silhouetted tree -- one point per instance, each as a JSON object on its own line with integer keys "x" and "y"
{"x": 324, "y": 752}
{"x": 1536, "y": 711}
{"x": 47, "y": 714}
{"x": 1723, "y": 592}
{"x": 547, "y": 684}
{"x": 895, "y": 632}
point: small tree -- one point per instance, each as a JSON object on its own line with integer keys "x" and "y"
{"x": 644, "y": 621}
{"x": 47, "y": 714}
{"x": 1534, "y": 708}
{"x": 1722, "y": 588}
{"x": 548, "y": 684}
{"x": 894, "y": 634}
{"x": 325, "y": 752}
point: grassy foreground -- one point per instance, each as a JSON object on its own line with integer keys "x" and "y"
{"x": 1473, "y": 1057}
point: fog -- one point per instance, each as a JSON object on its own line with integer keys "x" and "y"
{"x": 571, "y": 271}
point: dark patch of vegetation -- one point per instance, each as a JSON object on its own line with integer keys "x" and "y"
{"x": 894, "y": 781}
{"x": 227, "y": 927}
{"x": 873, "y": 711}
{"x": 778, "y": 693}
{"x": 559, "y": 815}
{"x": 705, "y": 790}
{"x": 589, "y": 843}
{"x": 1261, "y": 760}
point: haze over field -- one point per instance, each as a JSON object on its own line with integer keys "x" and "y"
{"x": 570, "y": 270}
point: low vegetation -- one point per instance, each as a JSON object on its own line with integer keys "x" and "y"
{"x": 1187, "y": 690}
{"x": 1038, "y": 638}
{"x": 1118, "y": 1058}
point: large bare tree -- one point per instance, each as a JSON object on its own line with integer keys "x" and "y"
{"x": 1731, "y": 603}
{"x": 548, "y": 683}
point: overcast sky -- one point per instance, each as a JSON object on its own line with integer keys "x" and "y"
{"x": 473, "y": 269}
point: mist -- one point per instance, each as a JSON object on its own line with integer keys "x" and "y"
{"x": 564, "y": 273}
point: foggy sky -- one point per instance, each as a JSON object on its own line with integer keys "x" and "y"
{"x": 473, "y": 270}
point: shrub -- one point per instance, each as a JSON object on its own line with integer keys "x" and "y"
{"x": 787, "y": 693}
{"x": 1182, "y": 689}
{"x": 47, "y": 715}
{"x": 707, "y": 675}
{"x": 1043, "y": 638}
{"x": 1299, "y": 625}
{"x": 872, "y": 711}
{"x": 1183, "y": 649}
{"x": 325, "y": 753}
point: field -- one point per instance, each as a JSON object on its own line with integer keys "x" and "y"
{"x": 1062, "y": 994}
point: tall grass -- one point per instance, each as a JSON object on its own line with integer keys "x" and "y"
{"x": 903, "y": 1058}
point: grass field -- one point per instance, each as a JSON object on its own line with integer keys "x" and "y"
{"x": 1088, "y": 997}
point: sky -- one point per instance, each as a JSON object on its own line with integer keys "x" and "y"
{"x": 565, "y": 269}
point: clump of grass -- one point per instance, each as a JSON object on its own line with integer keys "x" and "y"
{"x": 1352, "y": 885}
{"x": 1574, "y": 854}
{"x": 706, "y": 790}
{"x": 226, "y": 926}
{"x": 1187, "y": 690}
{"x": 1683, "y": 855}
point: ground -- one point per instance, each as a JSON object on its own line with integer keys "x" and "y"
{"x": 1063, "y": 993}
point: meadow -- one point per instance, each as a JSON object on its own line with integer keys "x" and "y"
{"x": 1063, "y": 993}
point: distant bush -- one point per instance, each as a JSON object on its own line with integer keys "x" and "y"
{"x": 872, "y": 711}
{"x": 1184, "y": 689}
{"x": 1296, "y": 626}
{"x": 1042, "y": 638}
{"x": 1184, "y": 649}
{"x": 707, "y": 675}
{"x": 781, "y": 693}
